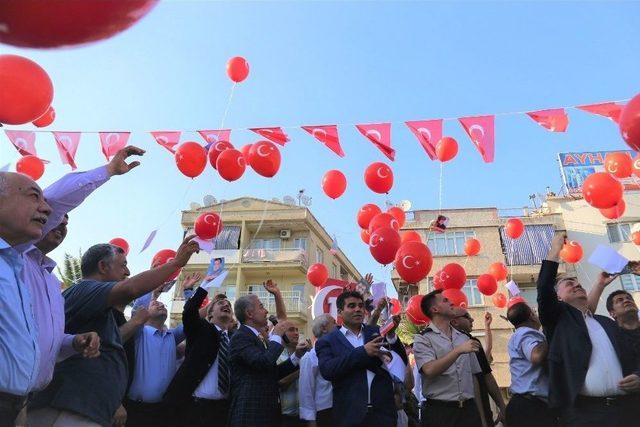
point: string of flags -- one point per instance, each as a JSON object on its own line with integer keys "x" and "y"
{"x": 479, "y": 129}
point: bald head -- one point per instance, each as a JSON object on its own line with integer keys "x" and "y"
{"x": 23, "y": 210}
{"x": 462, "y": 320}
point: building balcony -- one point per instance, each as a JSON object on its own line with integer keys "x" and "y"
{"x": 275, "y": 256}
{"x": 292, "y": 300}
{"x": 231, "y": 256}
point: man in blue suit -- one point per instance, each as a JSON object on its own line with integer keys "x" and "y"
{"x": 351, "y": 358}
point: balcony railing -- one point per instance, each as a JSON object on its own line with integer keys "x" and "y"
{"x": 292, "y": 300}
{"x": 275, "y": 255}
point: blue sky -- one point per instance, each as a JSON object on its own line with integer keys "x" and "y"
{"x": 336, "y": 62}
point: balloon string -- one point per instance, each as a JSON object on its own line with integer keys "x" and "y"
{"x": 177, "y": 208}
{"x": 264, "y": 214}
{"x": 440, "y": 192}
{"x": 226, "y": 110}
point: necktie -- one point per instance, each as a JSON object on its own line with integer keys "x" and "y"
{"x": 223, "y": 364}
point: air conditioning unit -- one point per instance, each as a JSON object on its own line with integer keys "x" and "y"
{"x": 285, "y": 234}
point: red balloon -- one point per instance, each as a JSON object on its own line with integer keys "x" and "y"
{"x": 615, "y": 212}
{"x": 630, "y": 123}
{"x": 191, "y": 159}
{"x": 31, "y": 166}
{"x": 396, "y": 307}
{"x": 215, "y": 149}
{"x": 571, "y": 252}
{"x": 49, "y": 24}
{"x": 383, "y": 245}
{"x": 245, "y": 150}
{"x": 46, "y": 119}
{"x": 237, "y": 69}
{"x": 162, "y": 257}
{"x": 264, "y": 158}
{"x": 231, "y": 164}
{"x": 334, "y": 183}
{"x": 366, "y": 214}
{"x": 498, "y": 270}
{"x": 383, "y": 220}
{"x": 514, "y": 228}
{"x": 635, "y": 237}
{"x": 601, "y": 190}
{"x": 619, "y": 165}
{"x": 378, "y": 177}
{"x": 472, "y": 247}
{"x": 453, "y": 276}
{"x": 317, "y": 274}
{"x": 515, "y": 300}
{"x": 121, "y": 243}
{"x": 446, "y": 149}
{"x": 398, "y": 214}
{"x": 499, "y": 299}
{"x": 410, "y": 236}
{"x": 635, "y": 166}
{"x": 413, "y": 262}
{"x": 365, "y": 236}
{"x": 205, "y": 302}
{"x": 438, "y": 282}
{"x": 414, "y": 311}
{"x": 487, "y": 284}
{"x": 456, "y": 297}
{"x": 208, "y": 225}
{"x": 26, "y": 90}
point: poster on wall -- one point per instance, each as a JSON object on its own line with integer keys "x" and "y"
{"x": 576, "y": 167}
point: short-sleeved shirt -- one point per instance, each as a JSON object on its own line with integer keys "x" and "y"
{"x": 526, "y": 378}
{"x": 93, "y": 388}
{"x": 456, "y": 382}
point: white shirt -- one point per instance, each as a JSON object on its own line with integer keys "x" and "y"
{"x": 277, "y": 339}
{"x": 208, "y": 387}
{"x": 604, "y": 367}
{"x": 316, "y": 393}
{"x": 358, "y": 341}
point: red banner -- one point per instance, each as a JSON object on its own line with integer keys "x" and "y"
{"x": 213, "y": 136}
{"x": 274, "y": 134}
{"x": 328, "y": 135}
{"x": 555, "y": 120}
{"x": 112, "y": 142}
{"x": 481, "y": 132}
{"x": 67, "y": 143}
{"x": 610, "y": 110}
{"x": 167, "y": 139}
{"x": 428, "y": 132}
{"x": 23, "y": 140}
{"x": 380, "y": 135}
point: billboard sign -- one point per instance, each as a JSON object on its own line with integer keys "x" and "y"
{"x": 576, "y": 167}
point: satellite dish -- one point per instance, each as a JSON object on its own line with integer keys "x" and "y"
{"x": 209, "y": 200}
{"x": 289, "y": 200}
{"x": 405, "y": 205}
{"x": 305, "y": 200}
{"x": 276, "y": 200}
{"x": 194, "y": 206}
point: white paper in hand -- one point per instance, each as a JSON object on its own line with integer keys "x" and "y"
{"x": 378, "y": 291}
{"x": 608, "y": 259}
{"x": 513, "y": 288}
{"x": 216, "y": 282}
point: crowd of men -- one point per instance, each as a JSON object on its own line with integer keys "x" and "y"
{"x": 74, "y": 359}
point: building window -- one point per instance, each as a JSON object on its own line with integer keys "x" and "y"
{"x": 334, "y": 271}
{"x": 300, "y": 243}
{"x": 230, "y": 292}
{"x": 630, "y": 283}
{"x": 619, "y": 232}
{"x": 319, "y": 256}
{"x": 273, "y": 244}
{"x": 449, "y": 242}
{"x": 530, "y": 294}
{"x": 299, "y": 288}
{"x": 470, "y": 289}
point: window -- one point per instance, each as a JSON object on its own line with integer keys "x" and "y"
{"x": 300, "y": 243}
{"x": 319, "y": 256}
{"x": 630, "y": 283}
{"x": 449, "y": 242}
{"x": 299, "y": 288}
{"x": 619, "y": 232}
{"x": 334, "y": 271}
{"x": 273, "y": 244}
{"x": 470, "y": 289}
{"x": 530, "y": 294}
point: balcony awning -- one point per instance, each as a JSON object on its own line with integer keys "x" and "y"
{"x": 229, "y": 238}
{"x": 531, "y": 248}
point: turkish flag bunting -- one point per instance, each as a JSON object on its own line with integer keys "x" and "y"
{"x": 67, "y": 143}
{"x": 213, "y": 136}
{"x": 481, "y": 131}
{"x": 328, "y": 135}
{"x": 275, "y": 134}
{"x": 428, "y": 132}
{"x": 610, "y": 110}
{"x": 555, "y": 120}
{"x": 167, "y": 139}
{"x": 23, "y": 140}
{"x": 112, "y": 142}
{"x": 380, "y": 135}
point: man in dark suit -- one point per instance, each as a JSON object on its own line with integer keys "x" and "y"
{"x": 255, "y": 395}
{"x": 351, "y": 358}
{"x": 200, "y": 389}
{"x": 591, "y": 370}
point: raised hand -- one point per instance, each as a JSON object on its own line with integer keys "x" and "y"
{"x": 118, "y": 164}
{"x": 190, "y": 281}
{"x": 369, "y": 278}
{"x": 271, "y": 287}
{"x": 488, "y": 318}
{"x": 605, "y": 278}
{"x": 184, "y": 252}
{"x": 556, "y": 245}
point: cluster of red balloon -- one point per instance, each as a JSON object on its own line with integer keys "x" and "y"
{"x": 208, "y": 225}
{"x": 121, "y": 243}
{"x": 451, "y": 279}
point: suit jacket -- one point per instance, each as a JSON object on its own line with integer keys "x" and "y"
{"x": 569, "y": 342}
{"x": 346, "y": 367}
{"x": 255, "y": 395}
{"x": 203, "y": 341}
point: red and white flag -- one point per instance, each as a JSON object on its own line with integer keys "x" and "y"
{"x": 555, "y": 120}
{"x": 380, "y": 135}
{"x": 215, "y": 135}
{"x": 428, "y": 132}
{"x": 481, "y": 132}
{"x": 23, "y": 140}
{"x": 328, "y": 135}
{"x": 611, "y": 110}
{"x": 112, "y": 142}
{"x": 67, "y": 143}
{"x": 274, "y": 134}
{"x": 167, "y": 139}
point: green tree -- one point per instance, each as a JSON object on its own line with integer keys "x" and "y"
{"x": 406, "y": 330}
{"x": 72, "y": 272}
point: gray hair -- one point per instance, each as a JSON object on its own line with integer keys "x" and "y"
{"x": 96, "y": 253}
{"x": 319, "y": 323}
{"x": 242, "y": 304}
